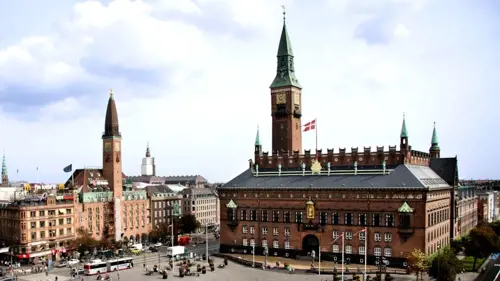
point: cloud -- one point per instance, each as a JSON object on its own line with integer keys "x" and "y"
{"x": 192, "y": 77}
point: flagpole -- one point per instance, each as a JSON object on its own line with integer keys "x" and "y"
{"x": 343, "y": 256}
{"x": 316, "y": 121}
{"x": 366, "y": 250}
{"x": 37, "y": 175}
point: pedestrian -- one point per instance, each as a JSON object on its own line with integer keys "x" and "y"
{"x": 56, "y": 278}
{"x": 118, "y": 275}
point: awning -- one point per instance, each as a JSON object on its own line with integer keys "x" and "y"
{"x": 40, "y": 254}
{"x": 4, "y": 250}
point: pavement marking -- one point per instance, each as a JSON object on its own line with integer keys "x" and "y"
{"x": 496, "y": 276}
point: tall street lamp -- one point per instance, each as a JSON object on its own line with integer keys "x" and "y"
{"x": 206, "y": 238}
{"x": 266, "y": 252}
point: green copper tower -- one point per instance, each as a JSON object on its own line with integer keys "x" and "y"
{"x": 5, "y": 175}
{"x": 435, "y": 151}
{"x": 285, "y": 74}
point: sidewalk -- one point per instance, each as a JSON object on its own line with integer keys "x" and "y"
{"x": 306, "y": 265}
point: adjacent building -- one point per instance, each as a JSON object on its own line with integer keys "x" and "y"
{"x": 487, "y": 205}
{"x": 148, "y": 167}
{"x": 203, "y": 203}
{"x": 166, "y": 205}
{"x": 291, "y": 202}
{"x": 467, "y": 211}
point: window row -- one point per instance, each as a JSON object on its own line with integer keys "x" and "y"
{"x": 377, "y": 236}
{"x": 377, "y": 219}
{"x": 438, "y": 216}
{"x": 264, "y": 230}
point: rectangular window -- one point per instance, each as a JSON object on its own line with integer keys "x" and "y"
{"x": 243, "y": 215}
{"x": 264, "y": 230}
{"x": 335, "y": 248}
{"x": 377, "y": 251}
{"x": 361, "y": 250}
{"x": 245, "y": 242}
{"x": 323, "y": 218}
{"x": 376, "y": 219}
{"x": 252, "y": 229}
{"x": 286, "y": 216}
{"x": 276, "y": 216}
{"x": 335, "y": 218}
{"x": 348, "y": 235}
{"x": 275, "y": 231}
{"x": 348, "y": 249}
{"x": 348, "y": 218}
{"x": 298, "y": 217}
{"x": 276, "y": 244}
{"x": 252, "y": 242}
{"x": 264, "y": 215}
{"x": 264, "y": 243}
{"x": 244, "y": 229}
{"x": 389, "y": 220}
{"x": 362, "y": 236}
{"x": 287, "y": 231}
{"x": 287, "y": 245}
{"x": 388, "y": 237}
{"x": 362, "y": 218}
{"x": 377, "y": 237}
{"x": 253, "y": 215}
{"x": 387, "y": 252}
{"x": 335, "y": 234}
{"x": 33, "y": 235}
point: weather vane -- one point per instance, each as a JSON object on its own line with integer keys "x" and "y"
{"x": 111, "y": 92}
{"x": 284, "y": 12}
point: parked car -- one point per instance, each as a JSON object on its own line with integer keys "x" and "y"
{"x": 158, "y": 244}
{"x": 73, "y": 262}
{"x": 62, "y": 264}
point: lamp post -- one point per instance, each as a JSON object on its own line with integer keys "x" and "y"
{"x": 253, "y": 254}
{"x": 172, "y": 247}
{"x": 313, "y": 256}
{"x": 206, "y": 239}
{"x": 266, "y": 252}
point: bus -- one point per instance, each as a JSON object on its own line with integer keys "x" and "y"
{"x": 99, "y": 266}
{"x": 183, "y": 240}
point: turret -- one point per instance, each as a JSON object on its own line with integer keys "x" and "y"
{"x": 258, "y": 145}
{"x": 434, "y": 150}
{"x": 403, "y": 143}
{"x": 5, "y": 175}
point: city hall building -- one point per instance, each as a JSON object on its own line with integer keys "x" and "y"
{"x": 292, "y": 201}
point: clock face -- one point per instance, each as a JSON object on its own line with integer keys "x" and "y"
{"x": 117, "y": 147}
{"x": 296, "y": 99}
{"x": 107, "y": 147}
{"x": 280, "y": 98}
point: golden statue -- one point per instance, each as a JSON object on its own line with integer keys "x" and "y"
{"x": 310, "y": 209}
{"x": 316, "y": 167}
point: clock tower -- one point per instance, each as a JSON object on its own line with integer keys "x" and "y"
{"x": 112, "y": 156}
{"x": 286, "y": 97}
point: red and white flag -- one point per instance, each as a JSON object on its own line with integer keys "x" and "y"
{"x": 310, "y": 126}
{"x": 362, "y": 230}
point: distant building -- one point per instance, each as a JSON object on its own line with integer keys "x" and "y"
{"x": 466, "y": 211}
{"x": 163, "y": 202}
{"x": 202, "y": 203}
{"x": 488, "y": 201}
{"x": 148, "y": 167}
{"x": 5, "y": 175}
{"x": 191, "y": 181}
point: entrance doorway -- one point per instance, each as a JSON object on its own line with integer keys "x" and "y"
{"x": 310, "y": 242}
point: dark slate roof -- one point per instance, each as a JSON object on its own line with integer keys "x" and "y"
{"x": 158, "y": 189}
{"x": 189, "y": 178}
{"x": 403, "y": 176}
{"x": 446, "y": 168}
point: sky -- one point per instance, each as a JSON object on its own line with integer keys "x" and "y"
{"x": 192, "y": 77}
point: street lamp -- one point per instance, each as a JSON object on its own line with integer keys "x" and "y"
{"x": 172, "y": 247}
{"x": 206, "y": 238}
{"x": 253, "y": 253}
{"x": 266, "y": 252}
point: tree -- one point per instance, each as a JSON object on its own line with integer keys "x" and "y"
{"x": 496, "y": 227}
{"x": 418, "y": 262}
{"x": 188, "y": 223}
{"x": 84, "y": 241}
{"x": 457, "y": 245}
{"x": 445, "y": 265}
{"x": 480, "y": 243}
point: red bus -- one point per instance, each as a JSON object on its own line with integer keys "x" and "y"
{"x": 183, "y": 240}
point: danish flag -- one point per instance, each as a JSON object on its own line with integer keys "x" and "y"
{"x": 340, "y": 236}
{"x": 310, "y": 126}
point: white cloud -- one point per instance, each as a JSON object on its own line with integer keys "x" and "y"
{"x": 200, "y": 115}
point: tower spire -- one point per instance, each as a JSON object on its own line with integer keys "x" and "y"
{"x": 434, "y": 141}
{"x": 257, "y": 137}
{"x": 148, "y": 152}
{"x": 5, "y": 175}
{"x": 404, "y": 131}
{"x": 111, "y": 128}
{"x": 285, "y": 75}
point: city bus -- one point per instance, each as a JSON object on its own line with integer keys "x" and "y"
{"x": 98, "y": 266}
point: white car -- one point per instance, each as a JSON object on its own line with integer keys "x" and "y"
{"x": 158, "y": 244}
{"x": 73, "y": 262}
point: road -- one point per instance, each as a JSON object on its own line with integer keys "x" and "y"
{"x": 492, "y": 272}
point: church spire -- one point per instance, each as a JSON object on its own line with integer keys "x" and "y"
{"x": 111, "y": 128}
{"x": 434, "y": 150}
{"x": 404, "y": 132}
{"x": 5, "y": 175}
{"x": 148, "y": 152}
{"x": 285, "y": 75}
{"x": 257, "y": 137}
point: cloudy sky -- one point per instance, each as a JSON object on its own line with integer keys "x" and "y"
{"x": 192, "y": 78}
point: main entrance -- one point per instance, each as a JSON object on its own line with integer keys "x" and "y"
{"x": 309, "y": 243}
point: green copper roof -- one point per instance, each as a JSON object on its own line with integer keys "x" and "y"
{"x": 434, "y": 141}
{"x": 257, "y": 137}
{"x": 405, "y": 208}
{"x": 231, "y": 205}
{"x": 404, "y": 132}
{"x": 4, "y": 166}
{"x": 285, "y": 74}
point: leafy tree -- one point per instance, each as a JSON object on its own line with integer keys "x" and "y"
{"x": 189, "y": 223}
{"x": 495, "y": 226}
{"x": 480, "y": 243}
{"x": 84, "y": 241}
{"x": 457, "y": 245}
{"x": 445, "y": 265}
{"x": 418, "y": 263}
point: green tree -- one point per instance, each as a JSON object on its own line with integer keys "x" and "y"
{"x": 457, "y": 245}
{"x": 189, "y": 223}
{"x": 495, "y": 226}
{"x": 418, "y": 263}
{"x": 445, "y": 265}
{"x": 84, "y": 241}
{"x": 480, "y": 243}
